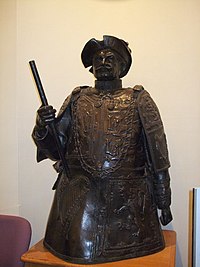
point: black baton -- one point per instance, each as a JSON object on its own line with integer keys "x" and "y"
{"x": 52, "y": 125}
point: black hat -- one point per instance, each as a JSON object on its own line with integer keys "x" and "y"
{"x": 109, "y": 42}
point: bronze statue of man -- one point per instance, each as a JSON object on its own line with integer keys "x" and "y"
{"x": 116, "y": 152}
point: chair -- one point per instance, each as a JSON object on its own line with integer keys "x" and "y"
{"x": 15, "y": 236}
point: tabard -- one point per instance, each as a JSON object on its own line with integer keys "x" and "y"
{"x": 106, "y": 210}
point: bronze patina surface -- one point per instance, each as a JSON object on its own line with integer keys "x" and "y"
{"x": 115, "y": 148}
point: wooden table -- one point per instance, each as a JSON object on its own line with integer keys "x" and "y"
{"x": 38, "y": 256}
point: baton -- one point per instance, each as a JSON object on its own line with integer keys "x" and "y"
{"x": 52, "y": 125}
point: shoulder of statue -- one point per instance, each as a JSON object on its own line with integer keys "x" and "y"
{"x": 138, "y": 88}
{"x": 147, "y": 107}
{"x": 79, "y": 89}
{"x": 137, "y": 91}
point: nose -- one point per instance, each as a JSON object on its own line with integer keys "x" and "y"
{"x": 103, "y": 60}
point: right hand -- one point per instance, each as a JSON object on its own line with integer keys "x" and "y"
{"x": 46, "y": 115}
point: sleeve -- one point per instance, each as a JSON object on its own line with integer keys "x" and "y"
{"x": 157, "y": 148}
{"x": 154, "y": 132}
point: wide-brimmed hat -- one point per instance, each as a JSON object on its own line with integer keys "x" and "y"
{"x": 109, "y": 42}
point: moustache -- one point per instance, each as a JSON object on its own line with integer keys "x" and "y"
{"x": 102, "y": 67}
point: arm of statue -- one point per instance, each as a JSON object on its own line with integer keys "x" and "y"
{"x": 157, "y": 153}
{"x": 162, "y": 193}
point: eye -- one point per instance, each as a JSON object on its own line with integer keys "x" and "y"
{"x": 110, "y": 58}
{"x": 98, "y": 59}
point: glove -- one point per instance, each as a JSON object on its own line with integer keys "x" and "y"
{"x": 45, "y": 116}
{"x": 162, "y": 193}
{"x": 166, "y": 216}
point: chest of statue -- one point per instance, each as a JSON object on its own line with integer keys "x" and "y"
{"x": 106, "y": 127}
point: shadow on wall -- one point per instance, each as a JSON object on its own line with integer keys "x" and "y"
{"x": 190, "y": 235}
{"x": 178, "y": 256}
{"x": 178, "y": 252}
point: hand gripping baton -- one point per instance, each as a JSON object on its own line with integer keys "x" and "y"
{"x": 52, "y": 125}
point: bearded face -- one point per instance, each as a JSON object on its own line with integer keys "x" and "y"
{"x": 106, "y": 66}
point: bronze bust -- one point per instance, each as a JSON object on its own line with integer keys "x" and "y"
{"x": 105, "y": 207}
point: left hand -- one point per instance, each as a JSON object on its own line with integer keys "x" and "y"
{"x": 166, "y": 216}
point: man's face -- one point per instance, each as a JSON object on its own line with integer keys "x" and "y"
{"x": 106, "y": 65}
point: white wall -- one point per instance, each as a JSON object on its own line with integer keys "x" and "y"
{"x": 8, "y": 124}
{"x": 164, "y": 37}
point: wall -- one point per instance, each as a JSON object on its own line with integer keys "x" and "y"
{"x": 164, "y": 38}
{"x": 8, "y": 123}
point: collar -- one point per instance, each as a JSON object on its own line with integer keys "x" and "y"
{"x": 108, "y": 85}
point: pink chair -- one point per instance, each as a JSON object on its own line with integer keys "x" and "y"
{"x": 15, "y": 236}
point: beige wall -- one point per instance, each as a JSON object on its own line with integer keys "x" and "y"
{"x": 8, "y": 124}
{"x": 164, "y": 37}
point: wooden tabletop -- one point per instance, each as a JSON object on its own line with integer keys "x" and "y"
{"x": 39, "y": 256}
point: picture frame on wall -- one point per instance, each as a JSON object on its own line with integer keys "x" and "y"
{"x": 196, "y": 227}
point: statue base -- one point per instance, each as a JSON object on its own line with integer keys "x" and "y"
{"x": 39, "y": 256}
